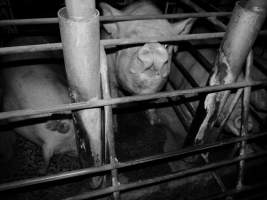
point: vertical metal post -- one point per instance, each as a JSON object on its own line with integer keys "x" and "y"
{"x": 80, "y": 34}
{"x": 241, "y": 33}
{"x": 244, "y": 129}
{"x": 108, "y": 121}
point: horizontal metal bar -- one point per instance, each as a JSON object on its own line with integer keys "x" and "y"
{"x": 44, "y": 112}
{"x": 39, "y": 21}
{"x": 245, "y": 188}
{"x": 52, "y": 178}
{"x": 158, "y": 180}
{"x": 109, "y": 43}
{"x": 30, "y": 48}
{"x": 90, "y": 171}
{"x": 189, "y": 151}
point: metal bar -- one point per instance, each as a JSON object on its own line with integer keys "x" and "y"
{"x": 109, "y": 43}
{"x": 80, "y": 9}
{"x": 90, "y": 171}
{"x": 185, "y": 73}
{"x": 214, "y": 174}
{"x": 190, "y": 79}
{"x": 244, "y": 129}
{"x": 44, "y": 112}
{"x": 39, "y": 21}
{"x": 222, "y": 27}
{"x": 80, "y": 35}
{"x": 204, "y": 62}
{"x": 232, "y": 192}
{"x": 31, "y": 48}
{"x": 52, "y": 178}
{"x": 230, "y": 109}
{"x": 232, "y": 53}
{"x": 178, "y": 111}
{"x": 212, "y": 19}
{"x": 108, "y": 121}
{"x": 169, "y": 177}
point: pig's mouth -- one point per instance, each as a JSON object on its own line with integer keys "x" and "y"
{"x": 147, "y": 83}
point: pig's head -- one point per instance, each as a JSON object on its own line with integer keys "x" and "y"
{"x": 65, "y": 135}
{"x": 143, "y": 69}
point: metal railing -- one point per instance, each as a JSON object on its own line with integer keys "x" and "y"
{"x": 107, "y": 101}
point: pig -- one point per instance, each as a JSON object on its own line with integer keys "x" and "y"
{"x": 140, "y": 69}
{"x": 36, "y": 86}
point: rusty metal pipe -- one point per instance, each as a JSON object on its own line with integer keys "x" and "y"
{"x": 244, "y": 129}
{"x": 241, "y": 33}
{"x": 108, "y": 121}
{"x": 80, "y": 9}
{"x": 81, "y": 172}
{"x": 44, "y": 112}
{"x": 38, "y": 21}
{"x": 169, "y": 177}
{"x": 110, "y": 43}
{"x": 80, "y": 34}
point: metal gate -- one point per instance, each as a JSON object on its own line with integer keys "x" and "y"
{"x": 114, "y": 165}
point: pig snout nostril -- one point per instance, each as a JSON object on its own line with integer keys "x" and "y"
{"x": 145, "y": 56}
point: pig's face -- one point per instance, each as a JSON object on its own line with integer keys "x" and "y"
{"x": 143, "y": 69}
{"x": 64, "y": 136}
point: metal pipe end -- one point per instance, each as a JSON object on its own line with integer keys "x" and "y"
{"x": 63, "y": 14}
{"x": 258, "y": 6}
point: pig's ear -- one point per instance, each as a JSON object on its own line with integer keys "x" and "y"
{"x": 184, "y": 26}
{"x": 108, "y": 10}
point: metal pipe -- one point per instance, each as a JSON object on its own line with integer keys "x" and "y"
{"x": 44, "y": 112}
{"x": 192, "y": 82}
{"x": 232, "y": 53}
{"x": 244, "y": 129}
{"x": 158, "y": 180}
{"x": 108, "y": 121}
{"x": 214, "y": 174}
{"x": 185, "y": 73}
{"x": 52, "y": 178}
{"x": 80, "y": 9}
{"x": 178, "y": 110}
{"x": 80, "y": 34}
{"x": 39, "y": 21}
{"x": 222, "y": 27}
{"x": 247, "y": 188}
{"x": 204, "y": 62}
{"x": 165, "y": 156}
{"x": 110, "y": 43}
{"x": 212, "y": 19}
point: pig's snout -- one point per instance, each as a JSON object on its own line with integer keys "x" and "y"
{"x": 153, "y": 57}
